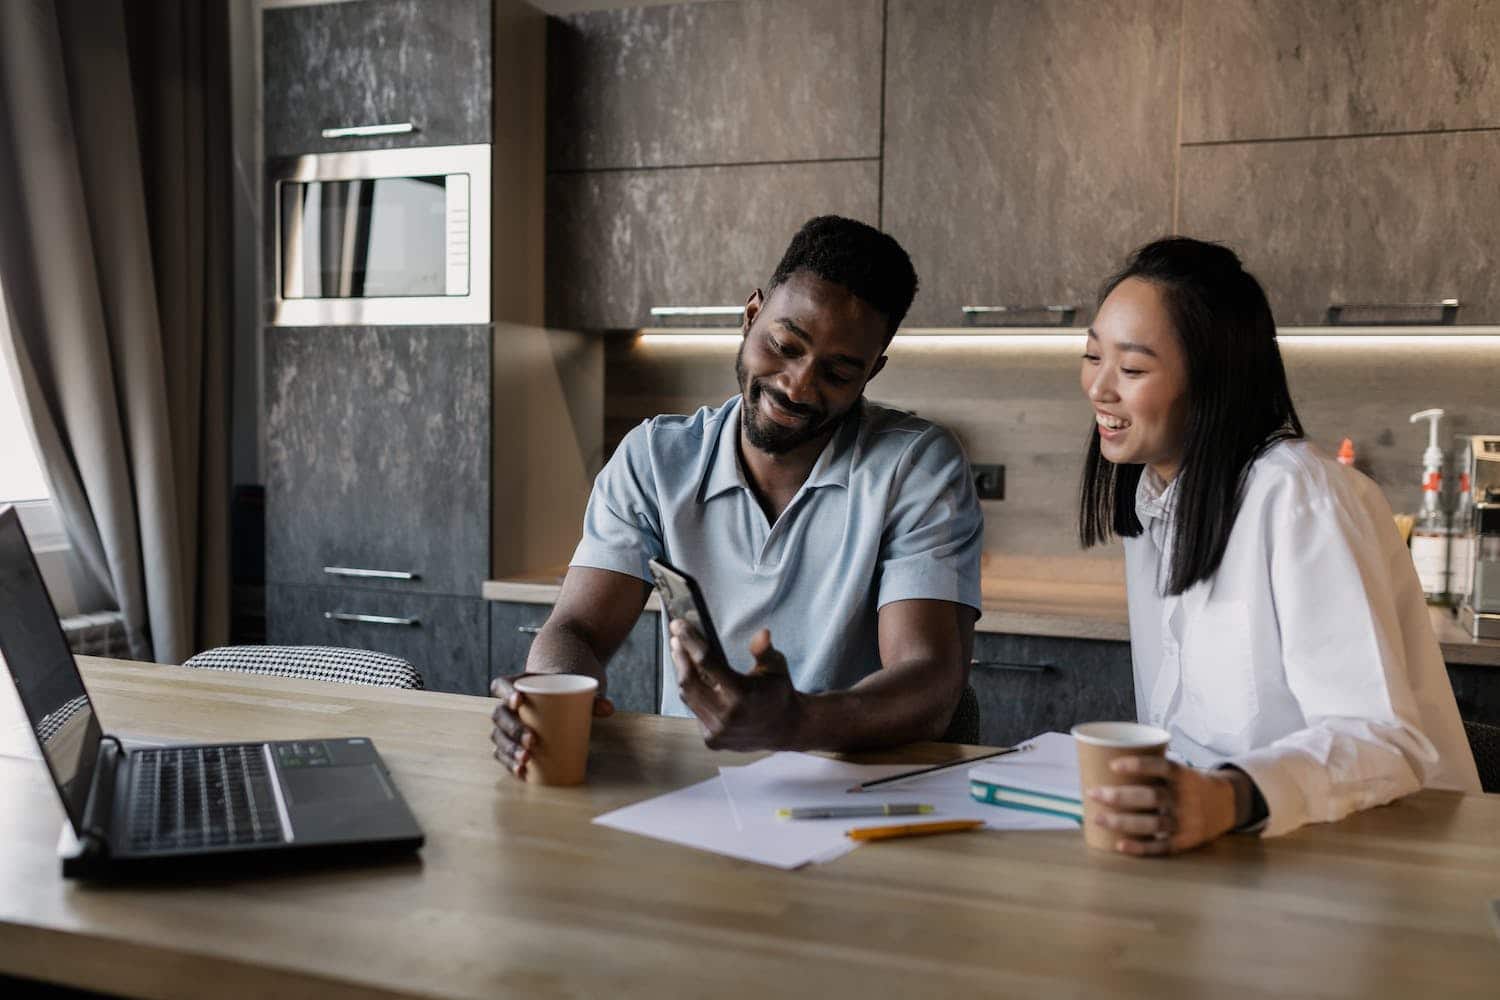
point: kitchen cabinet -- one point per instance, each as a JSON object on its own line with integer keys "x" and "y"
{"x": 378, "y": 457}
{"x": 622, "y": 241}
{"x": 427, "y": 62}
{"x": 1032, "y": 684}
{"x": 1476, "y": 688}
{"x": 445, "y": 638}
{"x": 634, "y": 671}
{"x": 687, "y": 84}
{"x": 1275, "y": 69}
{"x": 1028, "y": 146}
{"x": 1377, "y": 219}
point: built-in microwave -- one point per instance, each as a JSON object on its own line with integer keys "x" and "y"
{"x": 381, "y": 236}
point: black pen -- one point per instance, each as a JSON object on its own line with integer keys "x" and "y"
{"x": 863, "y": 785}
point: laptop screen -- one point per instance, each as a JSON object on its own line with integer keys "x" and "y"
{"x": 46, "y": 676}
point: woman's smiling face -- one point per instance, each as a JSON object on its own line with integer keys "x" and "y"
{"x": 1135, "y": 375}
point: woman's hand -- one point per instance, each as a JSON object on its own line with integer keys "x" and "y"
{"x": 1173, "y": 808}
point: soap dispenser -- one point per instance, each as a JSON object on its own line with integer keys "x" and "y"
{"x": 1430, "y": 532}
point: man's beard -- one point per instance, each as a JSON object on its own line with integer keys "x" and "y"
{"x": 767, "y": 435}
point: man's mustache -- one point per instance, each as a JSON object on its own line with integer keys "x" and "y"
{"x": 786, "y": 404}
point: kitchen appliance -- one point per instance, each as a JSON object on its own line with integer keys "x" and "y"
{"x": 1479, "y": 611}
{"x": 381, "y": 236}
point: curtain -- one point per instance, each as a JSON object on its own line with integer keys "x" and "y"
{"x": 114, "y": 246}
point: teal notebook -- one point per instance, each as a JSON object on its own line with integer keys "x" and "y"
{"x": 1042, "y": 780}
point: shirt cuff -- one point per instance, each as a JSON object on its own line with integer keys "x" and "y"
{"x": 603, "y": 557}
{"x": 1286, "y": 809}
{"x": 919, "y": 586}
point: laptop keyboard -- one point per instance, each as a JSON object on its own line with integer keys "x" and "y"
{"x": 201, "y": 797}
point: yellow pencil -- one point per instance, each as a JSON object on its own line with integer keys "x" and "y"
{"x": 912, "y": 829}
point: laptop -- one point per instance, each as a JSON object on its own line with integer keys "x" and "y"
{"x": 162, "y": 809}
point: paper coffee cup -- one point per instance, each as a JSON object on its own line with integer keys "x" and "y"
{"x": 1100, "y": 743}
{"x": 559, "y": 709}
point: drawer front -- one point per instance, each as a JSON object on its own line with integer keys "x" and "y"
{"x": 445, "y": 638}
{"x": 427, "y": 62}
{"x": 634, "y": 672}
{"x": 1476, "y": 688}
{"x": 1032, "y": 684}
{"x": 378, "y": 457}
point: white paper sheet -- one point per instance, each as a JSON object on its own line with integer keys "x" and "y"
{"x": 700, "y": 816}
{"x": 791, "y": 780}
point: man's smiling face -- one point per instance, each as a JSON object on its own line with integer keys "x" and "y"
{"x": 808, "y": 350}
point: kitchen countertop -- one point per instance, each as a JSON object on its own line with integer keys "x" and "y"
{"x": 1021, "y": 606}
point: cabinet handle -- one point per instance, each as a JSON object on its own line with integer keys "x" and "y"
{"x": 716, "y": 315}
{"x": 1448, "y": 316}
{"x": 379, "y": 574}
{"x": 1020, "y": 668}
{"x": 345, "y": 616}
{"x": 975, "y": 315}
{"x": 528, "y": 629}
{"x": 355, "y": 131}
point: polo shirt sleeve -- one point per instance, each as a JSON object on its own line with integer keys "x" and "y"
{"x": 935, "y": 530}
{"x": 622, "y": 524}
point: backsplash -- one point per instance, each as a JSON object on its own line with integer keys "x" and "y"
{"x": 1021, "y": 406}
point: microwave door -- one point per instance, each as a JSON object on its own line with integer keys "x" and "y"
{"x": 345, "y": 238}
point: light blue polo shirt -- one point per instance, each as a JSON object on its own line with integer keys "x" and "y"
{"x": 888, "y": 513}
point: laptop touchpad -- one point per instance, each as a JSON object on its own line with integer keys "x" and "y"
{"x": 311, "y": 785}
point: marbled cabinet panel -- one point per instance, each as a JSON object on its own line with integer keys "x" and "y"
{"x": 1264, "y": 69}
{"x": 707, "y": 83}
{"x": 620, "y": 242}
{"x": 1031, "y": 684}
{"x": 634, "y": 672}
{"x": 378, "y": 454}
{"x": 1027, "y": 147}
{"x": 428, "y": 62}
{"x": 1381, "y": 219}
{"x": 445, "y": 638}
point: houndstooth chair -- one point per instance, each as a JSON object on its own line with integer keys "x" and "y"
{"x": 1484, "y": 741}
{"x": 315, "y": 663}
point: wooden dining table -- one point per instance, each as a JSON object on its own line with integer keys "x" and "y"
{"x": 518, "y": 893}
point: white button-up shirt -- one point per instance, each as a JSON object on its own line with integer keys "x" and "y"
{"x": 1308, "y": 659}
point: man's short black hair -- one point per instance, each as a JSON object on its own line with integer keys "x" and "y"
{"x": 858, "y": 257}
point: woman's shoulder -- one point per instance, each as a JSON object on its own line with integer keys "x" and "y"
{"x": 1294, "y": 476}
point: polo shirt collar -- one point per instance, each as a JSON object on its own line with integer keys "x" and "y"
{"x": 831, "y": 469}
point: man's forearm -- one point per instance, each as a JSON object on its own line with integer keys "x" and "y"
{"x": 888, "y": 708}
{"x": 558, "y": 649}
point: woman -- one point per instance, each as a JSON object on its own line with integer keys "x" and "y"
{"x": 1277, "y": 626}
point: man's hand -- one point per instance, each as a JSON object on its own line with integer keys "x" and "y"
{"x": 513, "y": 741}
{"x": 755, "y": 711}
{"x": 1179, "y": 809}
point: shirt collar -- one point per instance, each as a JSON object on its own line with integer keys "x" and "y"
{"x": 1154, "y": 496}
{"x": 831, "y": 469}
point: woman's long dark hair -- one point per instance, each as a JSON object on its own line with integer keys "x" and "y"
{"x": 1238, "y": 401}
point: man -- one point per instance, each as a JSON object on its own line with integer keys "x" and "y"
{"x": 849, "y": 530}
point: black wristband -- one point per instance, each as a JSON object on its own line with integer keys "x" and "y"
{"x": 1258, "y": 811}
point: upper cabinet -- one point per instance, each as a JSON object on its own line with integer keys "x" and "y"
{"x": 1276, "y": 69}
{"x": 1028, "y": 146}
{"x": 1348, "y": 152}
{"x": 377, "y": 62}
{"x": 714, "y": 83}
{"x": 622, "y": 241}
{"x": 1385, "y": 223}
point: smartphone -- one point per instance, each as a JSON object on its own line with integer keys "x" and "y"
{"x": 682, "y": 599}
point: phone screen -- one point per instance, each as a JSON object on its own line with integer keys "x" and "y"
{"x": 682, "y": 599}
